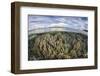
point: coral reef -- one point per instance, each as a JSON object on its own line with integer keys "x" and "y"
{"x": 57, "y": 45}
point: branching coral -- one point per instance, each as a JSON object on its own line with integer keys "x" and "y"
{"x": 58, "y": 45}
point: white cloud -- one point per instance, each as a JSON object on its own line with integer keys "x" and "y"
{"x": 57, "y": 25}
{"x": 72, "y": 22}
{"x": 61, "y": 19}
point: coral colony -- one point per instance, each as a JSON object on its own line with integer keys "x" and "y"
{"x": 66, "y": 39}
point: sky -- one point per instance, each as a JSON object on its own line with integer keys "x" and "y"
{"x": 40, "y": 21}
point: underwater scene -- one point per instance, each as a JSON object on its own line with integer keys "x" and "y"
{"x": 57, "y": 37}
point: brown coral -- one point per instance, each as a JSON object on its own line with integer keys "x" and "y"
{"x": 58, "y": 45}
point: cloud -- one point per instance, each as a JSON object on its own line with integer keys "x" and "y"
{"x": 57, "y": 25}
{"x": 80, "y": 23}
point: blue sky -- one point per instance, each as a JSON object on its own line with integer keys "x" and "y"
{"x": 39, "y": 21}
